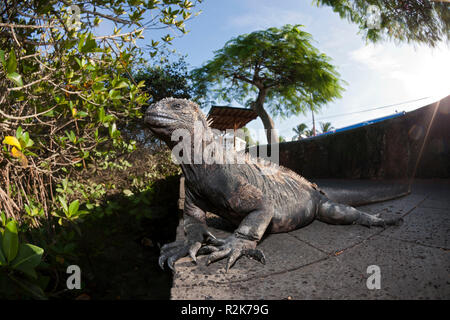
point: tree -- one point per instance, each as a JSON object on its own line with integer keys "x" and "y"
{"x": 326, "y": 126}
{"x": 274, "y": 68}
{"x": 310, "y": 133}
{"x": 421, "y": 21}
{"x": 168, "y": 79}
{"x": 299, "y": 131}
{"x": 64, "y": 91}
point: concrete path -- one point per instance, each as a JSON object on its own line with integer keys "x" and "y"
{"x": 324, "y": 261}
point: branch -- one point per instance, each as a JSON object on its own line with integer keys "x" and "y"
{"x": 29, "y": 84}
{"x": 12, "y": 25}
{"x": 240, "y": 77}
{"x": 26, "y": 117}
{"x": 115, "y": 19}
{"x": 78, "y": 93}
{"x": 117, "y": 35}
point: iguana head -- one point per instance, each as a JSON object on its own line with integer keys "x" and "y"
{"x": 170, "y": 114}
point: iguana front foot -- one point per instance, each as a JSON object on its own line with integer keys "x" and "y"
{"x": 173, "y": 251}
{"x": 232, "y": 247}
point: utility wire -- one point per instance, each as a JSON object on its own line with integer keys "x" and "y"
{"x": 361, "y": 111}
{"x": 372, "y": 109}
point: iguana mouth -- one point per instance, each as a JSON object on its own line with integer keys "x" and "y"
{"x": 158, "y": 119}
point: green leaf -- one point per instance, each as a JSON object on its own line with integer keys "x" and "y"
{"x": 19, "y": 132}
{"x": 82, "y": 212}
{"x": 25, "y": 141}
{"x": 121, "y": 84}
{"x": 113, "y": 132}
{"x": 33, "y": 289}
{"x": 114, "y": 94}
{"x": 3, "y": 221}
{"x": 128, "y": 193}
{"x": 78, "y": 61}
{"x": 11, "y": 65}
{"x": 89, "y": 45}
{"x": 17, "y": 78}
{"x": 28, "y": 258}
{"x": 51, "y": 113}
{"x": 98, "y": 86}
{"x": 10, "y": 241}
{"x": 2, "y": 58}
{"x": 63, "y": 204}
{"x": 80, "y": 43}
{"x": 2, "y": 256}
{"x": 101, "y": 114}
{"x": 43, "y": 281}
{"x": 73, "y": 208}
{"x": 72, "y": 137}
{"x": 68, "y": 248}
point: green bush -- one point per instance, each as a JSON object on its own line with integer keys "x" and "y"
{"x": 68, "y": 97}
{"x": 18, "y": 262}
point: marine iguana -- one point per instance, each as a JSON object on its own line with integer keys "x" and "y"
{"x": 258, "y": 197}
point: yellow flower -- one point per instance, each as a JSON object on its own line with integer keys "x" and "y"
{"x": 12, "y": 141}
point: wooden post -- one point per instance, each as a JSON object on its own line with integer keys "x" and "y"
{"x": 182, "y": 194}
{"x": 234, "y": 136}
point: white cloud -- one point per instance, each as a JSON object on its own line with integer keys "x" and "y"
{"x": 263, "y": 17}
{"x": 420, "y": 71}
{"x": 374, "y": 58}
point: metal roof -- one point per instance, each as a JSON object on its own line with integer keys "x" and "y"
{"x": 364, "y": 123}
{"x": 224, "y": 117}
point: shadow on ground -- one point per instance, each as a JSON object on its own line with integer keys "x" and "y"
{"x": 119, "y": 253}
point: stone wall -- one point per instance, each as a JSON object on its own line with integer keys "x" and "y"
{"x": 388, "y": 149}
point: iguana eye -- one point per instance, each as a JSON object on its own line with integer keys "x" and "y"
{"x": 176, "y": 106}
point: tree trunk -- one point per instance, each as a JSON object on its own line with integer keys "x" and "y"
{"x": 314, "y": 124}
{"x": 258, "y": 107}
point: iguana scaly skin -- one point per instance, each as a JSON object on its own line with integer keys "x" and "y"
{"x": 256, "y": 196}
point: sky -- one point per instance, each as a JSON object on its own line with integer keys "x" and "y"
{"x": 377, "y": 75}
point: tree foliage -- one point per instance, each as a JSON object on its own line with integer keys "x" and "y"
{"x": 168, "y": 79}
{"x": 165, "y": 79}
{"x": 302, "y": 130}
{"x": 299, "y": 130}
{"x": 420, "y": 21}
{"x": 326, "y": 126}
{"x": 279, "y": 68}
{"x": 65, "y": 92}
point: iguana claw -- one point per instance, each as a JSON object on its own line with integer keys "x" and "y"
{"x": 233, "y": 248}
{"x": 173, "y": 251}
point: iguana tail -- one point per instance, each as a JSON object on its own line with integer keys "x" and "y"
{"x": 361, "y": 192}
{"x": 337, "y": 213}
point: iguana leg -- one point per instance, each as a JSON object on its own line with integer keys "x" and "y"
{"x": 242, "y": 242}
{"x": 196, "y": 234}
{"x": 336, "y": 213}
